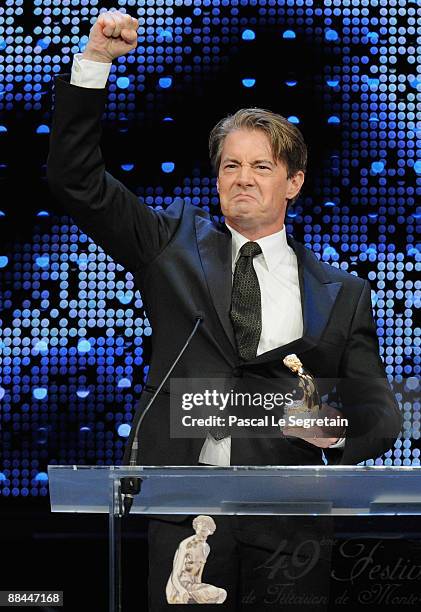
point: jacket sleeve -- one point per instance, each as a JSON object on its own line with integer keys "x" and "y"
{"x": 368, "y": 402}
{"x": 114, "y": 217}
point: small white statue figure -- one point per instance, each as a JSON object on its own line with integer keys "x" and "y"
{"x": 185, "y": 584}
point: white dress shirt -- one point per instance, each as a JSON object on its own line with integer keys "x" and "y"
{"x": 276, "y": 268}
{"x": 87, "y": 73}
{"x": 282, "y": 320}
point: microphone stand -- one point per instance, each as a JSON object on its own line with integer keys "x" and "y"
{"x": 129, "y": 485}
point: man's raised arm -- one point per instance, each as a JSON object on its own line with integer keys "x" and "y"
{"x": 102, "y": 206}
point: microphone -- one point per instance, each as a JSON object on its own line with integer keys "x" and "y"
{"x": 130, "y": 486}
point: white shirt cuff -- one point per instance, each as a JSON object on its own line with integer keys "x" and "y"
{"x": 339, "y": 444}
{"x": 88, "y": 73}
{"x": 216, "y": 452}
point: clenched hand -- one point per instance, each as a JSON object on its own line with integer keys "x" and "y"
{"x": 112, "y": 35}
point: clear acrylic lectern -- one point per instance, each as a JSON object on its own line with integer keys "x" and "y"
{"x": 300, "y": 490}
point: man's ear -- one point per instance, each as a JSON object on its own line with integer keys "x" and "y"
{"x": 294, "y": 185}
{"x": 217, "y": 184}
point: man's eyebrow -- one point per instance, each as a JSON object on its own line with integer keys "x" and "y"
{"x": 256, "y": 161}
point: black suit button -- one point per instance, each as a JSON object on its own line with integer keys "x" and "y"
{"x": 237, "y": 372}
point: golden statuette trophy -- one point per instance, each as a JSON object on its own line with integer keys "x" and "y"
{"x": 309, "y": 404}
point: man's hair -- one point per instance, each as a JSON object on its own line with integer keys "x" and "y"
{"x": 287, "y": 142}
{"x": 205, "y": 520}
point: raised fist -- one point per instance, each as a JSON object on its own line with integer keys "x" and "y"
{"x": 113, "y": 34}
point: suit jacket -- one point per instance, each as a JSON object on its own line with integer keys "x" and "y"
{"x": 181, "y": 262}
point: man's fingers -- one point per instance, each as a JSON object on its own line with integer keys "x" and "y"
{"x": 108, "y": 23}
{"x": 119, "y": 25}
{"x": 123, "y": 22}
{"x": 129, "y": 36}
{"x": 114, "y": 23}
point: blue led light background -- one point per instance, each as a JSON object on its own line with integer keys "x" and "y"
{"x": 74, "y": 338}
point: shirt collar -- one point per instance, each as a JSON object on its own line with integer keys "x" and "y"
{"x": 274, "y": 247}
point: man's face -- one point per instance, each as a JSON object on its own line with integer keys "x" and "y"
{"x": 253, "y": 188}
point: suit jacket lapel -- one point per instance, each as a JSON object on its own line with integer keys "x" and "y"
{"x": 214, "y": 243}
{"x": 318, "y": 296}
{"x": 318, "y": 293}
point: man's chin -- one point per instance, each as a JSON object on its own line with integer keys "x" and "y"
{"x": 244, "y": 209}
{"x": 243, "y": 214}
{"x": 242, "y": 223}
{"x": 244, "y": 203}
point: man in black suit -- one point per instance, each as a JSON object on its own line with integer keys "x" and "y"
{"x": 261, "y": 294}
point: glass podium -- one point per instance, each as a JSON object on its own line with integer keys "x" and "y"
{"x": 234, "y": 490}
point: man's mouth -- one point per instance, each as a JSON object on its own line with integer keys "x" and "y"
{"x": 243, "y": 195}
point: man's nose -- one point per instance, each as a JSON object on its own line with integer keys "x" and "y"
{"x": 245, "y": 175}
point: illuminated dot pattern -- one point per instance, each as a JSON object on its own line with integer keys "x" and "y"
{"x": 74, "y": 339}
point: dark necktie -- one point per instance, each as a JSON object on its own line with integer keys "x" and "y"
{"x": 246, "y": 308}
{"x": 246, "y": 311}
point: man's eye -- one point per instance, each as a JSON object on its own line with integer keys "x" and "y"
{"x": 258, "y": 167}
